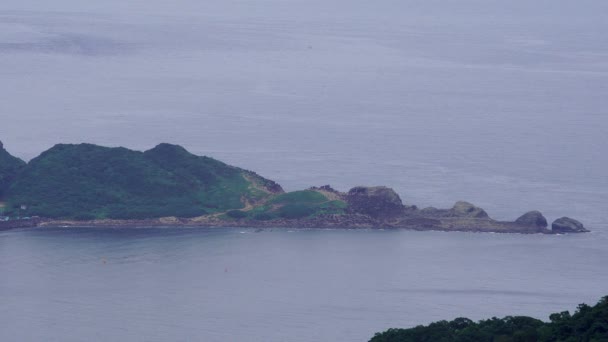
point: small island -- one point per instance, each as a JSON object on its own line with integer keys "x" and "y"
{"x": 91, "y": 185}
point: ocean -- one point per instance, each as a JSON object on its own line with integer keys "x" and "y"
{"x": 188, "y": 284}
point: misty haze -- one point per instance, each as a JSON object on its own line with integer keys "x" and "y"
{"x": 499, "y": 103}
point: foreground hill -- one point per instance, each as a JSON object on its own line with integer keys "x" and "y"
{"x": 92, "y": 182}
{"x": 587, "y": 324}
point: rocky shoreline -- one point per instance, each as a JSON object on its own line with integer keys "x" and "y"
{"x": 370, "y": 208}
{"x": 25, "y": 223}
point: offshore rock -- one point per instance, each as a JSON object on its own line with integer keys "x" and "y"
{"x": 567, "y": 225}
{"x": 532, "y": 218}
{"x": 376, "y": 202}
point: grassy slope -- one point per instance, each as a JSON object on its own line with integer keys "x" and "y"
{"x": 293, "y": 205}
{"x": 87, "y": 181}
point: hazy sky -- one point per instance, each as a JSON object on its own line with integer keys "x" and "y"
{"x": 503, "y": 98}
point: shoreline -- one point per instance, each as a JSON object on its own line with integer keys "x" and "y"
{"x": 474, "y": 226}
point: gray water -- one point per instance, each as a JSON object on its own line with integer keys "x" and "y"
{"x": 501, "y": 103}
{"x": 82, "y": 284}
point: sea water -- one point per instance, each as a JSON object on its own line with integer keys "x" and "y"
{"x": 188, "y": 284}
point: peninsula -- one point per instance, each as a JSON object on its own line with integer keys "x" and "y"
{"x": 90, "y": 185}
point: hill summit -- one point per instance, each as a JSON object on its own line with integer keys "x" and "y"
{"x": 87, "y": 181}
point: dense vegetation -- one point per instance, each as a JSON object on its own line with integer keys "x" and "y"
{"x": 87, "y": 182}
{"x": 586, "y": 324}
{"x": 293, "y": 205}
{"x": 9, "y": 167}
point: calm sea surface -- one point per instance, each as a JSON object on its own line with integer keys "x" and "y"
{"x": 500, "y": 103}
{"x": 159, "y": 284}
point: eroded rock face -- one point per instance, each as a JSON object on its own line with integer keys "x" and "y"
{"x": 466, "y": 209}
{"x": 377, "y": 201}
{"x": 532, "y": 218}
{"x": 567, "y": 225}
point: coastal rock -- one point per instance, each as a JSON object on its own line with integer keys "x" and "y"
{"x": 466, "y": 209}
{"x": 377, "y": 201}
{"x": 567, "y": 225}
{"x": 433, "y": 212}
{"x": 328, "y": 192}
{"x": 418, "y": 223}
{"x": 532, "y": 218}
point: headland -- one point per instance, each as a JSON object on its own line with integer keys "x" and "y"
{"x": 90, "y": 185}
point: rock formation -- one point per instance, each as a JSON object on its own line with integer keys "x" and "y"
{"x": 460, "y": 209}
{"x": 532, "y": 218}
{"x": 376, "y": 201}
{"x": 466, "y": 209}
{"x": 567, "y": 225}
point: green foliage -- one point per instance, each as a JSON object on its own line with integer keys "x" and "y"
{"x": 295, "y": 211}
{"x": 236, "y": 214}
{"x": 587, "y": 324}
{"x": 9, "y": 168}
{"x": 264, "y": 216}
{"x": 299, "y": 197}
{"x": 297, "y": 205}
{"x": 87, "y": 181}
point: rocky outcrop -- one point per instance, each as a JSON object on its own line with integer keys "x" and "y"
{"x": 567, "y": 225}
{"x": 376, "y": 202}
{"x": 460, "y": 209}
{"x": 23, "y": 223}
{"x": 466, "y": 209}
{"x": 329, "y": 192}
{"x": 532, "y": 218}
{"x": 433, "y": 212}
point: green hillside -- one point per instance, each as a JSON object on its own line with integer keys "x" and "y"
{"x": 586, "y": 324}
{"x": 293, "y": 205}
{"x": 9, "y": 167}
{"x": 87, "y": 181}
